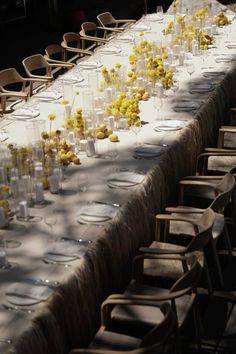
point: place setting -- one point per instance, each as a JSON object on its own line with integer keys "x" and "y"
{"x": 148, "y": 151}
{"x": 25, "y": 113}
{"x": 27, "y": 294}
{"x": 96, "y": 213}
{"x": 89, "y": 64}
{"x": 200, "y": 87}
{"x": 213, "y": 72}
{"x": 125, "y": 179}
{"x": 47, "y": 96}
{"x": 61, "y": 251}
{"x": 185, "y": 105}
{"x": 169, "y": 125}
{"x": 109, "y": 49}
{"x": 225, "y": 58}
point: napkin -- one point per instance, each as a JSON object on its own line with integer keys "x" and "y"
{"x": 148, "y": 151}
{"x": 141, "y": 27}
{"x": 109, "y": 50}
{"x": 225, "y": 58}
{"x": 201, "y": 87}
{"x": 213, "y": 72}
{"x": 186, "y": 106}
{"x": 170, "y": 125}
{"x": 26, "y": 290}
{"x": 95, "y": 213}
{"x": 231, "y": 45}
{"x": 68, "y": 249}
{"x": 3, "y": 136}
{"x": 90, "y": 64}
{"x": 72, "y": 78}
{"x": 25, "y": 113}
{"x": 48, "y": 95}
{"x": 125, "y": 179}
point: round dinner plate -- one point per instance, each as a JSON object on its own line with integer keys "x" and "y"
{"x": 22, "y": 301}
{"x": 59, "y": 257}
{"x": 170, "y": 125}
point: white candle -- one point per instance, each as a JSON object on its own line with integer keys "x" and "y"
{"x": 214, "y": 29}
{"x": 90, "y": 148}
{"x": 68, "y": 110}
{"x": 99, "y": 116}
{"x": 159, "y": 89}
{"x": 14, "y": 182}
{"x": 140, "y": 82}
{"x": 39, "y": 194}
{"x": 111, "y": 122}
{"x": 71, "y": 137}
{"x": 83, "y": 144}
{"x": 108, "y": 94}
{"x": 54, "y": 184}
{"x": 23, "y": 209}
{"x": 122, "y": 123}
{"x": 38, "y": 172}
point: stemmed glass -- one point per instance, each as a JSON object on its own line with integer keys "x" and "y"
{"x": 50, "y": 219}
{"x": 136, "y": 128}
{"x": 157, "y": 103}
{"x": 190, "y": 67}
{"x": 82, "y": 182}
{"x": 4, "y": 264}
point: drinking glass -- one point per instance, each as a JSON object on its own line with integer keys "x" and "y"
{"x": 136, "y": 128}
{"x": 175, "y": 85}
{"x": 3, "y": 253}
{"x": 82, "y": 182}
{"x": 159, "y": 11}
{"x": 50, "y": 219}
{"x": 157, "y": 103}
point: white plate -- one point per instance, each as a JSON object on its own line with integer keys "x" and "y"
{"x": 25, "y": 113}
{"x": 47, "y": 96}
{"x": 170, "y": 125}
{"x": 95, "y": 213}
{"x": 65, "y": 251}
{"x": 149, "y": 151}
{"x": 72, "y": 79}
{"x": 27, "y": 294}
{"x": 125, "y": 179}
{"x": 225, "y": 58}
{"x": 110, "y": 50}
{"x": 201, "y": 87}
{"x": 185, "y": 106}
{"x": 89, "y": 64}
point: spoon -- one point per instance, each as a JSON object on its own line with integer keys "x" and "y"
{"x": 6, "y": 340}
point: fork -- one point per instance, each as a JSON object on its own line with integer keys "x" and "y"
{"x": 46, "y": 261}
{"x": 6, "y": 340}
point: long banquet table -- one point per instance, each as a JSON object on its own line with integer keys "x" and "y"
{"x": 70, "y": 317}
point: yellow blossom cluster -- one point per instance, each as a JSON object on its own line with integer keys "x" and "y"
{"x": 155, "y": 71}
{"x": 111, "y": 77}
{"x": 221, "y": 20}
{"x": 76, "y": 122}
{"x": 200, "y": 13}
{"x": 169, "y": 28}
{"x": 124, "y": 107}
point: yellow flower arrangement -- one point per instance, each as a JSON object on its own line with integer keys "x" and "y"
{"x": 111, "y": 77}
{"x": 221, "y": 20}
{"x": 124, "y": 107}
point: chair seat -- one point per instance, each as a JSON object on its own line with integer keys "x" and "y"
{"x": 145, "y": 317}
{"x": 115, "y": 341}
{"x": 169, "y": 270}
{"x": 223, "y": 163}
{"x": 199, "y": 196}
{"x": 181, "y": 227}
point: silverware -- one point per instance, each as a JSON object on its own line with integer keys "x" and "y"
{"x": 16, "y": 308}
{"x": 46, "y": 261}
{"x": 44, "y": 282}
{"x": 6, "y": 340}
{"x": 79, "y": 241}
{"x": 106, "y": 203}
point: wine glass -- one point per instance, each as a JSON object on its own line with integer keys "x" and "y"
{"x": 175, "y": 85}
{"x": 157, "y": 103}
{"x": 4, "y": 264}
{"x": 136, "y": 128}
{"x": 190, "y": 67}
{"x": 82, "y": 182}
{"x": 50, "y": 219}
{"x": 159, "y": 11}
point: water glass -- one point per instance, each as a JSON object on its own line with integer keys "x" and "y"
{"x": 82, "y": 182}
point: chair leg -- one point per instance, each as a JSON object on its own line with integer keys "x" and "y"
{"x": 197, "y": 323}
{"x": 227, "y": 240}
{"x": 208, "y": 278}
{"x": 3, "y": 104}
{"x": 217, "y": 263}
